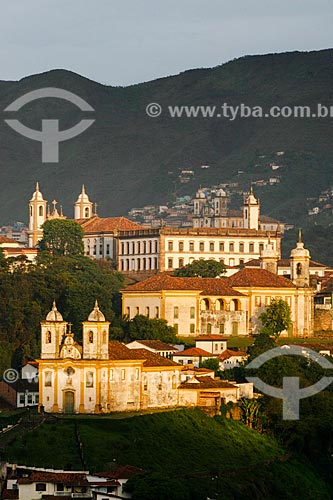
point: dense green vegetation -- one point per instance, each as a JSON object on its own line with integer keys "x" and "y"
{"x": 27, "y": 293}
{"x": 187, "y": 456}
{"x": 62, "y": 237}
{"x": 127, "y": 159}
{"x": 201, "y": 269}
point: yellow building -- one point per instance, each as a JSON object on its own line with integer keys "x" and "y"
{"x": 100, "y": 376}
{"x": 228, "y": 306}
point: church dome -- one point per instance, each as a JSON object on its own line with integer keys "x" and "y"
{"x": 96, "y": 314}
{"x": 37, "y": 196}
{"x": 220, "y": 193}
{"x": 83, "y": 197}
{"x": 54, "y": 314}
{"x": 299, "y": 251}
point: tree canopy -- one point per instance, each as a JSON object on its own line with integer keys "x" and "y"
{"x": 62, "y": 237}
{"x": 201, "y": 269}
{"x": 276, "y": 318}
{"x": 27, "y": 293}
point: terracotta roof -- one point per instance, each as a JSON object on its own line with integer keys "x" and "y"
{"x": 109, "y": 224}
{"x": 228, "y": 353}
{"x": 210, "y": 337}
{"x": 267, "y": 218}
{"x": 4, "y": 239}
{"x": 251, "y": 263}
{"x": 124, "y": 472}
{"x": 193, "y": 351}
{"x": 66, "y": 478}
{"x": 153, "y": 359}
{"x": 207, "y": 286}
{"x": 248, "y": 277}
{"x": 119, "y": 351}
{"x": 206, "y": 383}
{"x": 158, "y": 345}
{"x": 22, "y": 385}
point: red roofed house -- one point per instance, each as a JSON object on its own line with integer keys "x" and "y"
{"x": 193, "y": 356}
{"x": 227, "y": 306}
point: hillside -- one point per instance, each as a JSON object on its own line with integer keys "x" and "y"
{"x": 127, "y": 159}
{"x": 181, "y": 450}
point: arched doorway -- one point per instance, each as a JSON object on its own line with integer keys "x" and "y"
{"x": 69, "y": 402}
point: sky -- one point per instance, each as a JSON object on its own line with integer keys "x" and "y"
{"x": 121, "y": 42}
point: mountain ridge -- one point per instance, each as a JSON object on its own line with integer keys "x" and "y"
{"x": 125, "y": 157}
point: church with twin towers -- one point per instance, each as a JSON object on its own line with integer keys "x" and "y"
{"x": 40, "y": 211}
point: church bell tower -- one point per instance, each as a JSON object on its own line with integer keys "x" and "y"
{"x": 37, "y": 217}
{"x": 83, "y": 208}
{"x": 300, "y": 264}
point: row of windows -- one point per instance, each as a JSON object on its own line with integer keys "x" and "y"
{"x": 213, "y": 246}
{"x": 265, "y": 301}
{"x": 176, "y": 312}
{"x": 30, "y": 399}
{"x": 89, "y": 378}
{"x": 150, "y": 312}
{"x": 145, "y": 264}
{"x": 137, "y": 247}
{"x": 92, "y": 249}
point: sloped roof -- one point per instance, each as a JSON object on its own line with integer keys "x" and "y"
{"x": 228, "y": 353}
{"x": 66, "y": 478}
{"x": 207, "y": 286}
{"x": 262, "y": 278}
{"x": 108, "y": 224}
{"x": 157, "y": 345}
{"x": 194, "y": 351}
{"x": 124, "y": 472}
{"x": 119, "y": 351}
{"x": 4, "y": 239}
{"x": 206, "y": 383}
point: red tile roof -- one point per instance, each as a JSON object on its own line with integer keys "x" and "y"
{"x": 124, "y": 472}
{"x": 194, "y": 351}
{"x": 248, "y": 277}
{"x": 228, "y": 353}
{"x": 119, "y": 351}
{"x": 66, "y": 478}
{"x": 206, "y": 383}
{"x": 109, "y": 224}
{"x": 210, "y": 337}
{"x": 157, "y": 345}
{"x": 4, "y": 239}
{"x": 207, "y": 286}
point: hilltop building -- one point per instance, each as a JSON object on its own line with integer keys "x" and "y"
{"x": 101, "y": 376}
{"x": 227, "y": 305}
{"x": 141, "y": 252}
{"x": 211, "y": 209}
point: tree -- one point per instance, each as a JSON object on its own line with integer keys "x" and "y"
{"x": 201, "y": 269}
{"x": 62, "y": 237}
{"x": 276, "y": 318}
{"x": 211, "y": 364}
{"x": 141, "y": 327}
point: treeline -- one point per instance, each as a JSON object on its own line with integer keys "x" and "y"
{"x": 27, "y": 293}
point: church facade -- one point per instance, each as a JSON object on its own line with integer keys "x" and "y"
{"x": 99, "y": 376}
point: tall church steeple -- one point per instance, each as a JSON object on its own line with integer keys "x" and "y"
{"x": 83, "y": 208}
{"x": 300, "y": 264}
{"x": 251, "y": 211}
{"x": 269, "y": 258}
{"x": 37, "y": 217}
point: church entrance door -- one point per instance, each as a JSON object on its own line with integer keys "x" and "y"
{"x": 69, "y": 402}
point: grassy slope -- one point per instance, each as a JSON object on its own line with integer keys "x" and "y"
{"x": 125, "y": 157}
{"x": 182, "y": 445}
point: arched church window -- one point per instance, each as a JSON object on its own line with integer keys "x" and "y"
{"x": 31, "y": 211}
{"x": 299, "y": 268}
{"x": 86, "y": 212}
{"x": 91, "y": 337}
{"x": 104, "y": 337}
{"x": 48, "y": 337}
{"x": 41, "y": 211}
